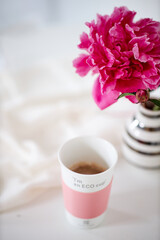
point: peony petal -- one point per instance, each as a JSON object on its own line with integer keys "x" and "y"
{"x": 155, "y": 52}
{"x": 153, "y": 82}
{"x": 122, "y": 14}
{"x": 144, "y": 57}
{"x": 129, "y": 85}
{"x": 102, "y": 24}
{"x": 130, "y": 30}
{"x": 135, "y": 50}
{"x": 85, "y": 42}
{"x": 117, "y": 32}
{"x": 82, "y": 68}
{"x": 149, "y": 69}
{"x": 103, "y": 100}
{"x": 107, "y": 85}
{"x": 148, "y": 27}
{"x": 132, "y": 99}
{"x": 142, "y": 42}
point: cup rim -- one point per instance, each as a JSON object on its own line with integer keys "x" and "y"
{"x": 85, "y": 137}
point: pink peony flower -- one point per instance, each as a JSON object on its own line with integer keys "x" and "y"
{"x": 124, "y": 54}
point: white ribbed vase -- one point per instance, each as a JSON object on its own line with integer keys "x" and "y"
{"x": 141, "y": 138}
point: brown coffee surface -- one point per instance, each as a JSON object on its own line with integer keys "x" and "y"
{"x": 87, "y": 168}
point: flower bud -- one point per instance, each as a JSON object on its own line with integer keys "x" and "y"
{"x": 142, "y": 95}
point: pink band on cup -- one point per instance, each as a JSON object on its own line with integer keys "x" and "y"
{"x": 86, "y": 205}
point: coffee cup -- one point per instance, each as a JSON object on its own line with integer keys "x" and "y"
{"x": 86, "y": 194}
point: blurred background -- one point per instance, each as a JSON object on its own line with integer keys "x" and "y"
{"x": 43, "y": 102}
{"x": 43, "y": 12}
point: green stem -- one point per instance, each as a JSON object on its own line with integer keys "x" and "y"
{"x": 126, "y": 94}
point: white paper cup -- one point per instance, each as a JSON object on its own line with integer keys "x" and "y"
{"x": 86, "y": 196}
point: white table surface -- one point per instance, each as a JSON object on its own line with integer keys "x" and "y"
{"x": 134, "y": 207}
{"x": 133, "y": 212}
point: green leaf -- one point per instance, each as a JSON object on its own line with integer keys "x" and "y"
{"x": 126, "y": 94}
{"x": 155, "y": 101}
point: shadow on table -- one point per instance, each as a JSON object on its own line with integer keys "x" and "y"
{"x": 119, "y": 217}
{"x": 132, "y": 207}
